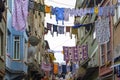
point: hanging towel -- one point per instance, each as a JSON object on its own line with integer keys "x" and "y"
{"x": 66, "y": 14}
{"x": 47, "y": 9}
{"x": 74, "y": 31}
{"x": 20, "y": 14}
{"x": 55, "y": 29}
{"x": 100, "y": 12}
{"x": 85, "y": 52}
{"x": 59, "y": 12}
{"x": 105, "y": 11}
{"x": 49, "y": 27}
{"x": 67, "y": 29}
{"x": 102, "y": 30}
{"x": 65, "y": 52}
{"x": 52, "y": 10}
{"x": 61, "y": 29}
{"x": 91, "y": 10}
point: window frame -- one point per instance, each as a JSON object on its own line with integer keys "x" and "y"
{"x": 108, "y": 51}
{"x": 17, "y": 54}
{"x": 102, "y": 53}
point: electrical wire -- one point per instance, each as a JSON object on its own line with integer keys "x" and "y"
{"x": 61, "y": 3}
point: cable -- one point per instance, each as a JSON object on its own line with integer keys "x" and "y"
{"x": 61, "y": 3}
{"x": 61, "y": 43}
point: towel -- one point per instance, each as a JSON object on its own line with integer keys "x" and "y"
{"x": 20, "y": 14}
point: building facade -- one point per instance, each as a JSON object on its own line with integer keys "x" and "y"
{"x": 86, "y": 35}
{"x": 2, "y": 39}
{"x": 116, "y": 40}
{"x": 17, "y": 42}
{"x": 106, "y": 51}
{"x": 36, "y": 29}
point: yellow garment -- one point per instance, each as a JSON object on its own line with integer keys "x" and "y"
{"x": 96, "y": 10}
{"x": 47, "y": 9}
{"x": 74, "y": 31}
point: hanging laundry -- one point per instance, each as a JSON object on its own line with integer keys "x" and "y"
{"x": 66, "y": 14}
{"x": 55, "y": 29}
{"x": 65, "y": 52}
{"x": 59, "y": 12}
{"x": 80, "y": 55}
{"x": 100, "y": 12}
{"x": 76, "y": 54}
{"x": 52, "y": 10}
{"x": 2, "y": 8}
{"x": 102, "y": 30}
{"x": 85, "y": 52}
{"x": 72, "y": 12}
{"x": 20, "y": 14}
{"x": 71, "y": 53}
{"x": 105, "y": 11}
{"x": 61, "y": 29}
{"x": 47, "y": 9}
{"x": 74, "y": 31}
{"x": 67, "y": 29}
{"x": 49, "y": 27}
{"x": 92, "y": 11}
{"x": 96, "y": 11}
{"x": 82, "y": 25}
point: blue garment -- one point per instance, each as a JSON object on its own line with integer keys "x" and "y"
{"x": 81, "y": 25}
{"x": 59, "y": 12}
{"x": 100, "y": 12}
{"x": 92, "y": 11}
{"x": 55, "y": 29}
{"x": 52, "y": 10}
{"x": 61, "y": 29}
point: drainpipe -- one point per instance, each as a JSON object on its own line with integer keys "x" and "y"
{"x": 112, "y": 40}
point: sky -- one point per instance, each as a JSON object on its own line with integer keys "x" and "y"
{"x": 56, "y": 43}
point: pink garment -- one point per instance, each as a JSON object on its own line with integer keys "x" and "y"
{"x": 20, "y": 14}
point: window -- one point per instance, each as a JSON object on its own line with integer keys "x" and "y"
{"x": 1, "y": 43}
{"x": 102, "y": 54}
{"x": 108, "y": 52}
{"x": 16, "y": 48}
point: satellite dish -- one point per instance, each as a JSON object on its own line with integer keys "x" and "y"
{"x": 34, "y": 40}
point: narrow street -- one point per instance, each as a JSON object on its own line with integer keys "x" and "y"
{"x": 59, "y": 40}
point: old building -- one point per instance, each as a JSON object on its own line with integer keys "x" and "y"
{"x": 17, "y": 42}
{"x": 2, "y": 39}
{"x": 116, "y": 40}
{"x": 36, "y": 34}
{"x": 87, "y": 35}
{"x": 106, "y": 51}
